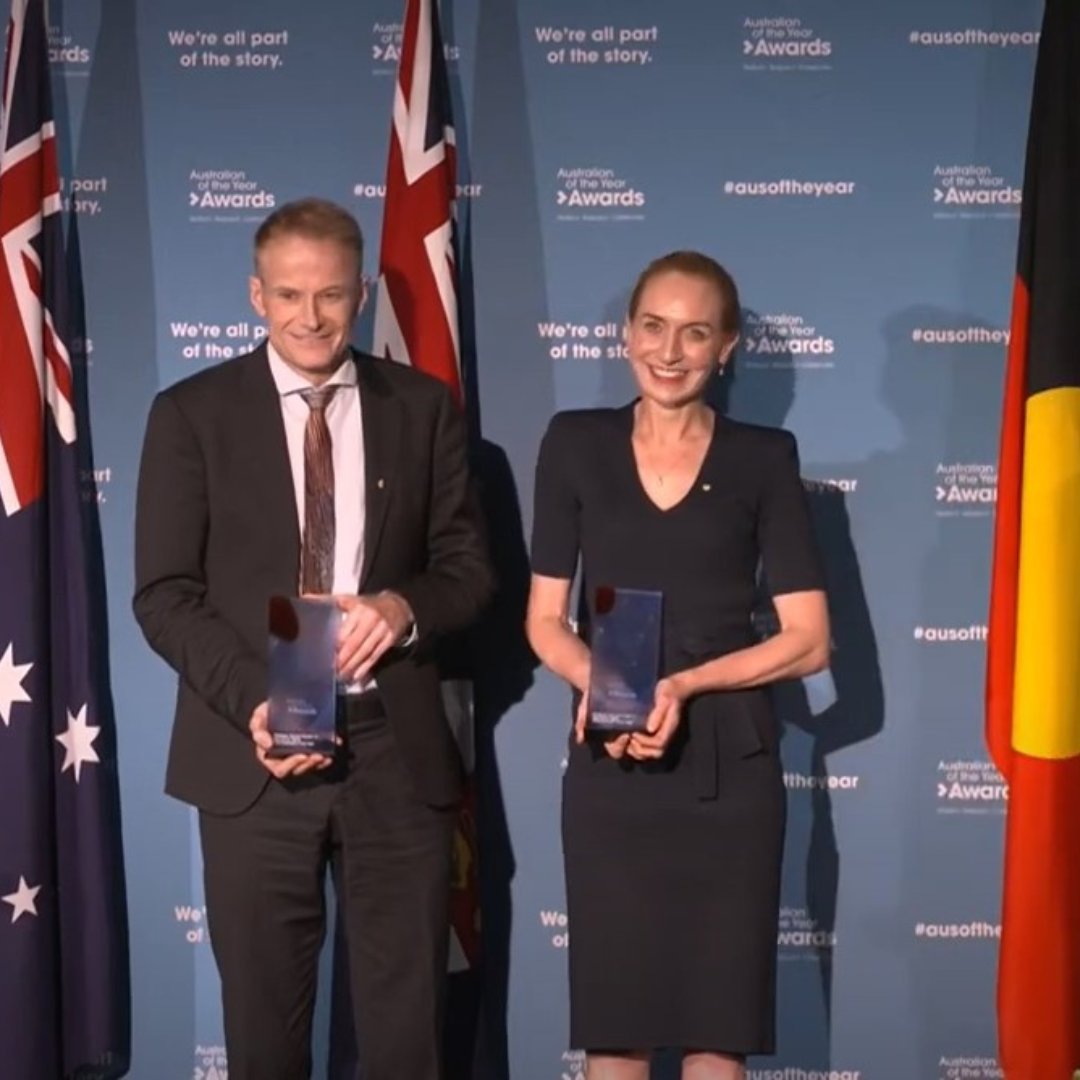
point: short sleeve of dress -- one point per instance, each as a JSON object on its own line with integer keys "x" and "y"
{"x": 789, "y": 550}
{"x": 556, "y": 508}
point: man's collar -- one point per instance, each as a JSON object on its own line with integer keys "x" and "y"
{"x": 288, "y": 381}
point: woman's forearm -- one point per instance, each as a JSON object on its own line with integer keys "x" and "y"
{"x": 790, "y": 654}
{"x": 560, "y": 649}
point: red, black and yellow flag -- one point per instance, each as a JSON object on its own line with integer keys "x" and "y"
{"x": 1033, "y": 678}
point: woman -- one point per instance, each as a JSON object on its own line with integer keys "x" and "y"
{"x": 672, "y": 836}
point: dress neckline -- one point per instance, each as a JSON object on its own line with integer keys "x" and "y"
{"x": 628, "y": 446}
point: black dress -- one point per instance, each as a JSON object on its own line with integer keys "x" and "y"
{"x": 673, "y": 867}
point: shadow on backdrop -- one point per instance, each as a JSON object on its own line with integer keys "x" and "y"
{"x": 516, "y": 387}
{"x": 948, "y": 401}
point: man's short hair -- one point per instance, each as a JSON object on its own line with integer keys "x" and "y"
{"x": 313, "y": 219}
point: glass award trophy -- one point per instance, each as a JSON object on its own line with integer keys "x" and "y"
{"x": 303, "y": 677}
{"x": 625, "y": 644}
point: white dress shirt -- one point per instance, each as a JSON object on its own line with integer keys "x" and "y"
{"x": 346, "y": 424}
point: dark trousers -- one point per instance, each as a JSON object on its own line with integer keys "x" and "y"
{"x": 264, "y": 873}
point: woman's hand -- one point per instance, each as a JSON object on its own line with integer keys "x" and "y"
{"x": 615, "y": 745}
{"x": 661, "y": 723}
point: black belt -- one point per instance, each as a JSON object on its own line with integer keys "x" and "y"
{"x": 358, "y": 708}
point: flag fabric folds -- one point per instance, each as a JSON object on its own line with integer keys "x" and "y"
{"x": 1033, "y": 677}
{"x": 63, "y": 955}
{"x": 416, "y": 322}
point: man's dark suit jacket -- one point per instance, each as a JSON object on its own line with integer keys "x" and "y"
{"x": 216, "y": 535}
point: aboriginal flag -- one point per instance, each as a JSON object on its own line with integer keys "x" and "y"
{"x": 1033, "y": 678}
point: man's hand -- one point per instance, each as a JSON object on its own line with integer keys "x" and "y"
{"x": 294, "y": 764}
{"x": 370, "y": 625}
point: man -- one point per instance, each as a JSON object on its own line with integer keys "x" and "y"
{"x": 306, "y": 467}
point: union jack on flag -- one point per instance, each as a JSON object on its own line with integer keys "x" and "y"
{"x": 416, "y": 309}
{"x": 37, "y": 367}
{"x": 63, "y": 956}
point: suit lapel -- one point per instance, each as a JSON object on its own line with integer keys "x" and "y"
{"x": 382, "y": 421}
{"x": 266, "y": 454}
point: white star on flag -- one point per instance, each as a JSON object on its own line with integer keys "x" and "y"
{"x": 22, "y": 900}
{"x": 11, "y": 687}
{"x": 78, "y": 743}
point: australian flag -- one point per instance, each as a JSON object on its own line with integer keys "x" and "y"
{"x": 63, "y": 955}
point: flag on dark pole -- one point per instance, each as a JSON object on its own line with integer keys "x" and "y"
{"x": 63, "y": 954}
{"x": 1033, "y": 678}
{"x": 416, "y": 322}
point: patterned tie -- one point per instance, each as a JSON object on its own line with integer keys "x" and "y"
{"x": 317, "y": 559}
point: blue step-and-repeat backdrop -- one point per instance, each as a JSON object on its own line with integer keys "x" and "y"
{"x": 857, "y": 166}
